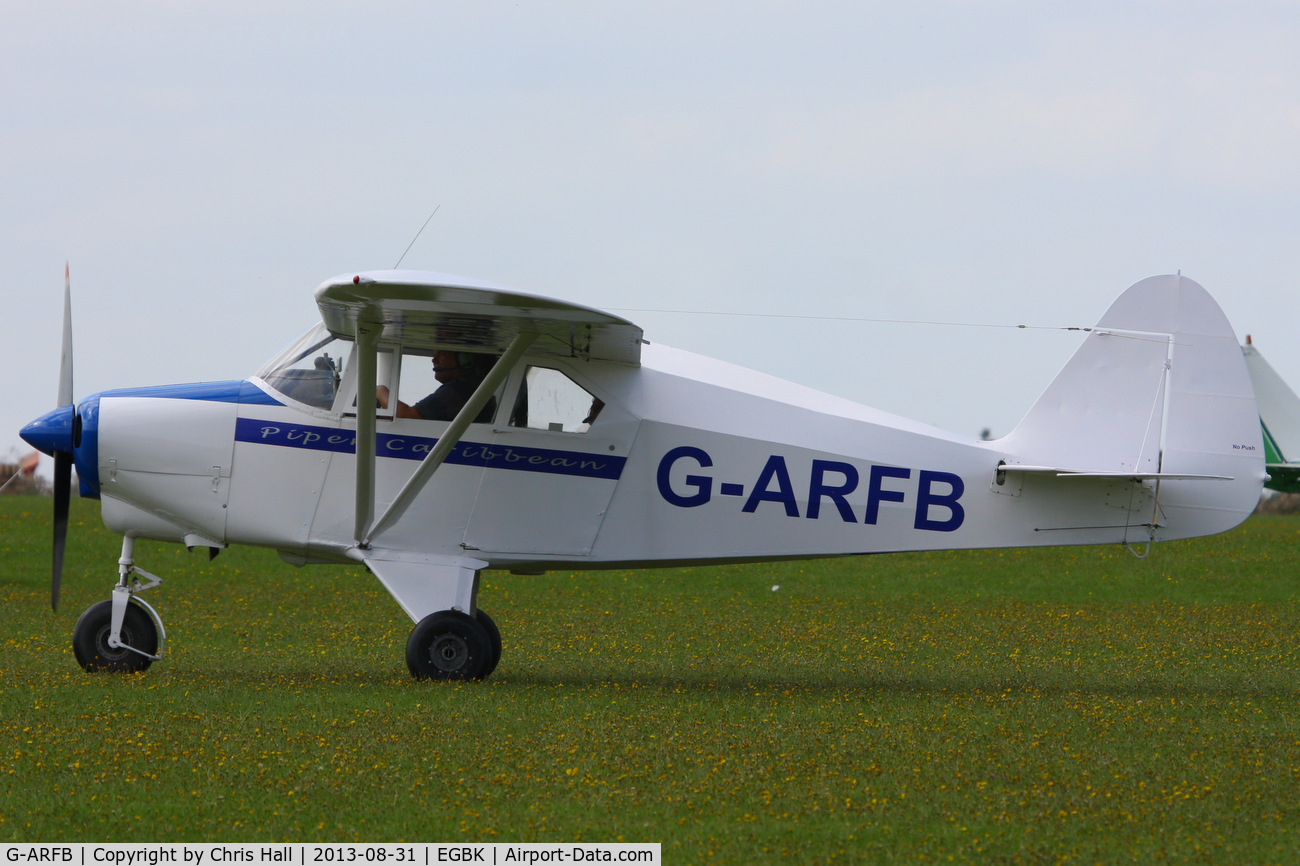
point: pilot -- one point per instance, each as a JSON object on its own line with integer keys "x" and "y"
{"x": 458, "y": 373}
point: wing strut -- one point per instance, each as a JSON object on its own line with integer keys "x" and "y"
{"x": 368, "y": 334}
{"x": 500, "y": 370}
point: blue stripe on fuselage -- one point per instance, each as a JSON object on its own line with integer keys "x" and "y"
{"x": 233, "y": 391}
{"x": 546, "y": 460}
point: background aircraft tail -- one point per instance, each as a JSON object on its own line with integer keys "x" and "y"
{"x": 1279, "y": 415}
{"x": 1158, "y": 393}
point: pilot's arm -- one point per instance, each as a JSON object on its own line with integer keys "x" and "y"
{"x": 403, "y": 410}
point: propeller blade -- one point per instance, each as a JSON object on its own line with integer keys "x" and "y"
{"x": 63, "y": 459}
{"x": 65, "y": 359}
{"x": 62, "y": 496}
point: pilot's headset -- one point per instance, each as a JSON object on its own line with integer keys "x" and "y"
{"x": 464, "y": 361}
{"x": 476, "y": 364}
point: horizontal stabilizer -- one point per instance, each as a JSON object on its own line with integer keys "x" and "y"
{"x": 1083, "y": 473}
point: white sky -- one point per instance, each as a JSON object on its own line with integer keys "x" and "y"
{"x": 205, "y": 166}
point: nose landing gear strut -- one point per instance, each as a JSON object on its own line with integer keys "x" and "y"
{"x": 124, "y": 634}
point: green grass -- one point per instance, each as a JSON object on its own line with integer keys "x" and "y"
{"x": 1024, "y": 706}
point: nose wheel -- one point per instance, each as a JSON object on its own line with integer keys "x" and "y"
{"x": 123, "y": 634}
{"x": 136, "y": 647}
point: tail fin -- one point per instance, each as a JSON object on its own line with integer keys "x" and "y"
{"x": 1158, "y": 393}
{"x": 1279, "y": 415}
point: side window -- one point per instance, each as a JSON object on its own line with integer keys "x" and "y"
{"x": 383, "y": 376}
{"x": 550, "y": 400}
{"x": 438, "y": 384}
{"x": 418, "y": 378}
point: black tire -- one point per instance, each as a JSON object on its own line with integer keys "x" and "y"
{"x": 90, "y": 639}
{"x": 494, "y": 637}
{"x": 449, "y": 645}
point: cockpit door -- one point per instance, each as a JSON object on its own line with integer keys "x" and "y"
{"x": 549, "y": 469}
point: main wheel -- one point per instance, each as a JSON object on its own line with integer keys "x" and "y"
{"x": 494, "y": 636}
{"x": 90, "y": 639}
{"x": 449, "y": 645}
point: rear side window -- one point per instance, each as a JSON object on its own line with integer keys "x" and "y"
{"x": 550, "y": 400}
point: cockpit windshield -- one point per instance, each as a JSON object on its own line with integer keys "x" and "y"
{"x": 310, "y": 368}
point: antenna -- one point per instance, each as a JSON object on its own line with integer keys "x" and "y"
{"x": 414, "y": 239}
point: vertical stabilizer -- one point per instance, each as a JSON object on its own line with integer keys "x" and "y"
{"x": 1158, "y": 392}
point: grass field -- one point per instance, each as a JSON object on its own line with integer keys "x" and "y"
{"x": 1064, "y": 705}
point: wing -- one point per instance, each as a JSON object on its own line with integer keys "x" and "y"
{"x": 430, "y": 310}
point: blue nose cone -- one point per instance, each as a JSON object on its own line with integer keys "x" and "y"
{"x": 53, "y": 431}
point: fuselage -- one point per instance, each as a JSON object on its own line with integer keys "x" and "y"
{"x": 689, "y": 460}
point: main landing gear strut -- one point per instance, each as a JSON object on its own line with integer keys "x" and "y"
{"x": 453, "y": 638}
{"x": 124, "y": 634}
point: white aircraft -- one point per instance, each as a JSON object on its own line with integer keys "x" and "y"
{"x": 581, "y": 445}
{"x": 1279, "y": 415}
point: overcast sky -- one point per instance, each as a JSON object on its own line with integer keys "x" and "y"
{"x": 203, "y": 167}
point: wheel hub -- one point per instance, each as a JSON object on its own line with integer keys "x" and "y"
{"x": 449, "y": 652}
{"x": 111, "y": 653}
